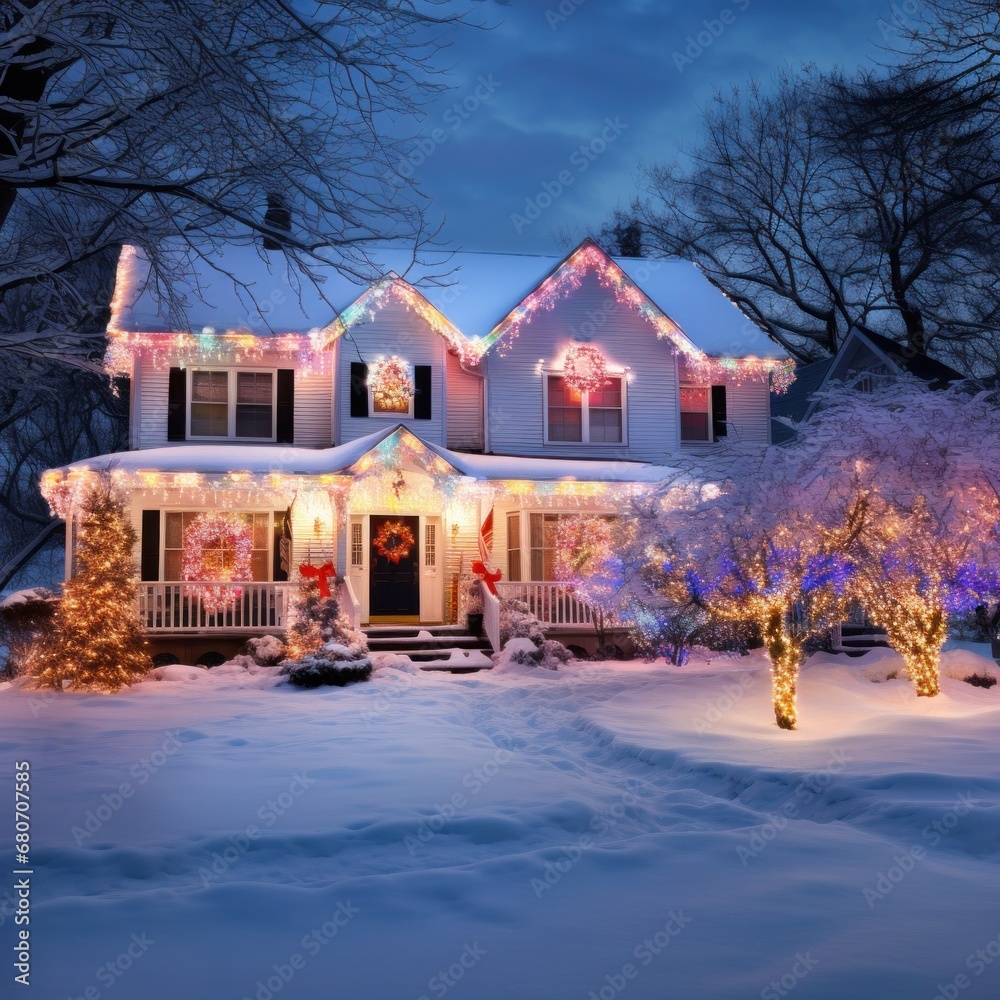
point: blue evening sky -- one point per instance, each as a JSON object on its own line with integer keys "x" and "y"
{"x": 553, "y": 109}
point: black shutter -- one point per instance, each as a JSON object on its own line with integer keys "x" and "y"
{"x": 176, "y": 405}
{"x": 359, "y": 389}
{"x": 279, "y": 565}
{"x": 286, "y": 406}
{"x": 149, "y": 563}
{"x": 719, "y": 428}
{"x": 422, "y": 396}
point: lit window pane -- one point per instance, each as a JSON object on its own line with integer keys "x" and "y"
{"x": 209, "y": 420}
{"x": 210, "y": 387}
{"x": 606, "y": 426}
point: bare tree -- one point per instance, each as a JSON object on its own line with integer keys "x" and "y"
{"x": 140, "y": 122}
{"x": 834, "y": 201}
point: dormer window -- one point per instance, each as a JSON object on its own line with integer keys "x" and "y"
{"x": 228, "y": 404}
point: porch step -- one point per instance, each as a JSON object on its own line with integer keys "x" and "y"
{"x": 430, "y": 646}
{"x": 856, "y": 640}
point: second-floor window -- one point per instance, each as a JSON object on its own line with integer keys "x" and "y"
{"x": 585, "y": 417}
{"x": 232, "y": 404}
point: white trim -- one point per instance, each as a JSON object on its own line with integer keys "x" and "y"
{"x": 585, "y": 413}
{"x": 230, "y": 403}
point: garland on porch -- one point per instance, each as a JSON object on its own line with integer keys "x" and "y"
{"x": 394, "y": 541}
{"x": 217, "y": 549}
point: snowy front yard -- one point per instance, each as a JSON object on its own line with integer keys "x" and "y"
{"x": 608, "y": 830}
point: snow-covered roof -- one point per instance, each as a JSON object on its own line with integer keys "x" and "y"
{"x": 475, "y": 291}
{"x": 219, "y": 459}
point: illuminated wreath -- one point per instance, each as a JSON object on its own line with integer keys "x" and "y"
{"x": 391, "y": 383}
{"x": 585, "y": 368}
{"x": 393, "y": 541}
{"x": 208, "y": 539}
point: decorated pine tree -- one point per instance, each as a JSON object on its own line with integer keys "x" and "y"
{"x": 315, "y": 612}
{"x": 323, "y": 649}
{"x": 95, "y": 641}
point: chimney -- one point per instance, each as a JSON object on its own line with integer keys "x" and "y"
{"x": 278, "y": 217}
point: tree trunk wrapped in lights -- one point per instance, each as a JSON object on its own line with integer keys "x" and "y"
{"x": 96, "y": 641}
{"x": 927, "y": 462}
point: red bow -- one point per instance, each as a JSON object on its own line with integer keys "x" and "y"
{"x": 488, "y": 577}
{"x": 321, "y": 574}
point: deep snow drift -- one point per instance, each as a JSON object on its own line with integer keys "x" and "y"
{"x": 599, "y": 831}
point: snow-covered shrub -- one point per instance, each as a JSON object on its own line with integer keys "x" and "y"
{"x": 332, "y": 664}
{"x": 266, "y": 650}
{"x": 24, "y": 616}
{"x": 518, "y": 622}
{"x": 548, "y": 654}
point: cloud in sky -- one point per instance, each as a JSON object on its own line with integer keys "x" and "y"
{"x": 524, "y": 128}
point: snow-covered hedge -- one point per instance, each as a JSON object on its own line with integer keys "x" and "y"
{"x": 332, "y": 664}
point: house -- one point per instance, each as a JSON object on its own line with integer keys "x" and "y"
{"x": 406, "y": 429}
{"x": 863, "y": 353}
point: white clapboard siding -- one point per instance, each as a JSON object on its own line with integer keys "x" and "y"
{"x": 313, "y": 402}
{"x": 465, "y": 407}
{"x": 392, "y": 330}
{"x": 627, "y": 340}
{"x": 748, "y": 411}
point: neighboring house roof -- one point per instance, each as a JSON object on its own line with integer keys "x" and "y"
{"x": 474, "y": 291}
{"x": 349, "y": 459}
{"x": 861, "y": 350}
{"x": 916, "y": 363}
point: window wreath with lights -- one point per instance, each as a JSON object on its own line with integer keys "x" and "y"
{"x": 393, "y": 541}
{"x": 391, "y": 384}
{"x": 585, "y": 368}
{"x": 217, "y": 550}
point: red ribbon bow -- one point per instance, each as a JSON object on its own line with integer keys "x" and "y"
{"x": 321, "y": 574}
{"x": 488, "y": 577}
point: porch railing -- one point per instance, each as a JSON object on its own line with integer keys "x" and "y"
{"x": 349, "y": 604}
{"x": 551, "y": 602}
{"x": 174, "y": 607}
{"x": 491, "y": 616}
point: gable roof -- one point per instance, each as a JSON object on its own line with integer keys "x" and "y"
{"x": 472, "y": 292}
{"x": 916, "y": 363}
{"x": 797, "y": 403}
